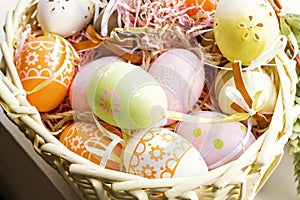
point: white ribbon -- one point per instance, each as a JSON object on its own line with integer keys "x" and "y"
{"x": 234, "y": 95}
{"x": 110, "y": 8}
{"x": 276, "y": 47}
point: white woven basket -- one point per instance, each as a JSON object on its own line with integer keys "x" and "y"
{"x": 240, "y": 179}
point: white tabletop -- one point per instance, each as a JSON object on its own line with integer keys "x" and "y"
{"x": 280, "y": 185}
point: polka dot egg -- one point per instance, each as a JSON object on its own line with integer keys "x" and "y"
{"x": 217, "y": 143}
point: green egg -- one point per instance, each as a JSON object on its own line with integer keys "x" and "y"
{"x": 243, "y": 29}
{"x": 126, "y": 96}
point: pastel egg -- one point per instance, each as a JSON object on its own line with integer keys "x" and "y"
{"x": 77, "y": 92}
{"x": 217, "y": 143}
{"x": 254, "y": 81}
{"x": 244, "y": 29}
{"x": 79, "y": 137}
{"x": 160, "y": 153}
{"x": 181, "y": 74}
{"x": 38, "y": 61}
{"x": 126, "y": 96}
{"x": 64, "y": 17}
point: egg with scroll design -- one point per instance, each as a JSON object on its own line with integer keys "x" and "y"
{"x": 161, "y": 153}
{"x": 80, "y": 136}
{"x": 46, "y": 67}
{"x": 64, "y": 17}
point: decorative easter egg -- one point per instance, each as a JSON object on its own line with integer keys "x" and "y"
{"x": 204, "y": 5}
{"x": 181, "y": 74}
{"x": 39, "y": 60}
{"x": 79, "y": 137}
{"x": 254, "y": 81}
{"x": 64, "y": 17}
{"x": 218, "y": 143}
{"x": 126, "y": 96}
{"x": 160, "y": 153}
{"x": 244, "y": 29}
{"x": 77, "y": 92}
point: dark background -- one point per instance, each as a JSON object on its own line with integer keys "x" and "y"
{"x": 24, "y": 175}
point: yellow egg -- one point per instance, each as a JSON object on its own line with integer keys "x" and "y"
{"x": 38, "y": 60}
{"x": 244, "y": 29}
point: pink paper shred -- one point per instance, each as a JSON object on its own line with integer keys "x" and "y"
{"x": 154, "y": 14}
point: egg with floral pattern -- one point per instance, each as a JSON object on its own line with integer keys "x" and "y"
{"x": 86, "y": 140}
{"x": 161, "y": 153}
{"x": 126, "y": 96}
{"x": 77, "y": 92}
{"x": 46, "y": 67}
{"x": 218, "y": 143}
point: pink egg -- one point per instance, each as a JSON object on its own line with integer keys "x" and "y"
{"x": 181, "y": 74}
{"x": 77, "y": 91}
{"x": 217, "y": 143}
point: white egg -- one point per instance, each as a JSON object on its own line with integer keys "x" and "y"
{"x": 64, "y": 17}
{"x": 161, "y": 153}
{"x": 254, "y": 81}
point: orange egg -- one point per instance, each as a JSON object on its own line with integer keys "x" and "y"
{"x": 38, "y": 61}
{"x": 81, "y": 136}
{"x": 206, "y": 5}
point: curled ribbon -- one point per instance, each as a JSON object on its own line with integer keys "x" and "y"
{"x": 118, "y": 47}
{"x": 243, "y": 103}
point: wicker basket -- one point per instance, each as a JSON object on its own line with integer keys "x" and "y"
{"x": 240, "y": 179}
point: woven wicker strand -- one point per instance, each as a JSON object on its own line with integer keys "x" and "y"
{"x": 240, "y": 179}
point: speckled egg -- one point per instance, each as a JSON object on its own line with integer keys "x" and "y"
{"x": 79, "y": 137}
{"x": 126, "y": 96}
{"x": 160, "y": 153}
{"x": 64, "y": 17}
{"x": 218, "y": 143}
{"x": 39, "y": 60}
{"x": 181, "y": 74}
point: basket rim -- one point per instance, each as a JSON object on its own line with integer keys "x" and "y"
{"x": 259, "y": 151}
